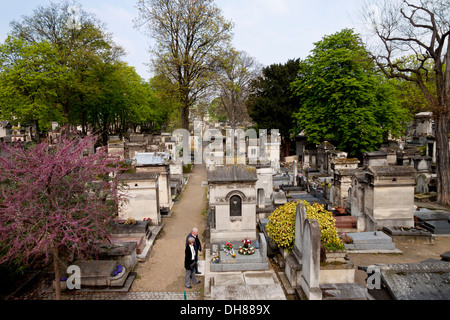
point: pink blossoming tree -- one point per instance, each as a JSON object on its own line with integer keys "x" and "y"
{"x": 56, "y": 200}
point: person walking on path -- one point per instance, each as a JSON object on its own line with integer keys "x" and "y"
{"x": 197, "y": 246}
{"x": 163, "y": 270}
{"x": 189, "y": 264}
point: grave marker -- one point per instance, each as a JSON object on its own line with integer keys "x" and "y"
{"x": 311, "y": 260}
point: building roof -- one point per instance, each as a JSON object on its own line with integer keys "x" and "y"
{"x": 231, "y": 174}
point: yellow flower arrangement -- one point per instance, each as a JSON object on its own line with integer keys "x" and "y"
{"x": 281, "y": 226}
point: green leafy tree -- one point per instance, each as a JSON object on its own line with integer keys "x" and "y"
{"x": 28, "y": 72}
{"x": 79, "y": 49}
{"x": 343, "y": 99}
{"x": 271, "y": 103}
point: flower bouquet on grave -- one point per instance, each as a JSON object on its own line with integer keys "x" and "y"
{"x": 130, "y": 221}
{"x": 228, "y": 248}
{"x": 246, "y": 249}
{"x": 215, "y": 258}
{"x": 246, "y": 243}
{"x": 117, "y": 270}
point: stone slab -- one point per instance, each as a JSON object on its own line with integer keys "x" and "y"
{"x": 248, "y": 292}
{"x": 118, "y": 248}
{"x": 370, "y": 241}
{"x": 426, "y": 214}
{"x": 124, "y": 288}
{"x": 142, "y": 257}
{"x": 96, "y": 268}
{"x": 343, "y": 291}
{"x": 417, "y": 281}
{"x": 259, "y": 278}
{"x": 126, "y": 230}
{"x": 286, "y": 284}
{"x": 401, "y": 231}
{"x": 437, "y": 226}
{"x": 445, "y": 256}
{"x": 239, "y": 267}
{"x": 96, "y": 272}
{"x": 229, "y": 279}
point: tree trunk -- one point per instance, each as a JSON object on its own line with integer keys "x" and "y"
{"x": 57, "y": 275}
{"x": 37, "y": 134}
{"x": 442, "y": 160}
{"x": 185, "y": 117}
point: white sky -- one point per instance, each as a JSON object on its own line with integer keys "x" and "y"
{"x": 271, "y": 31}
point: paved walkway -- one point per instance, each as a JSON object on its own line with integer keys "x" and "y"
{"x": 125, "y": 296}
{"x": 164, "y": 269}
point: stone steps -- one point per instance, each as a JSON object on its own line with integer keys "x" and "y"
{"x": 345, "y": 222}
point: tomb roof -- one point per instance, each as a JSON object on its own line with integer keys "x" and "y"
{"x": 344, "y": 161}
{"x": 139, "y": 176}
{"x": 391, "y": 170}
{"x": 378, "y": 153}
{"x": 231, "y": 173}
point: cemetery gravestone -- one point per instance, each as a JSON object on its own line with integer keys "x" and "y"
{"x": 300, "y": 218}
{"x": 311, "y": 260}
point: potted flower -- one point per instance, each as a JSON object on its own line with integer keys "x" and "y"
{"x": 149, "y": 221}
{"x": 117, "y": 271}
{"x": 340, "y": 209}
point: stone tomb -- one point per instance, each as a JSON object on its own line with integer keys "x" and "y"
{"x": 143, "y": 196}
{"x": 139, "y": 233}
{"x": 98, "y": 273}
{"x": 232, "y": 202}
{"x": 383, "y": 196}
{"x": 157, "y": 163}
{"x": 124, "y": 253}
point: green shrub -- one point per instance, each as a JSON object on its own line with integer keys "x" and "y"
{"x": 281, "y": 226}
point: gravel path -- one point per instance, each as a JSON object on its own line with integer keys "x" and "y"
{"x": 164, "y": 269}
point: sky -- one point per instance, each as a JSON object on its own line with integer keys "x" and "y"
{"x": 271, "y": 31}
